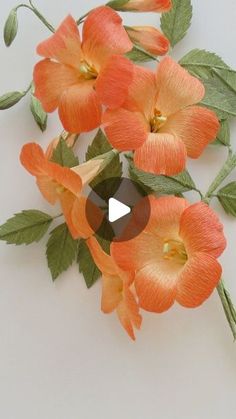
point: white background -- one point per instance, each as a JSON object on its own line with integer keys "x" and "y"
{"x": 60, "y": 357}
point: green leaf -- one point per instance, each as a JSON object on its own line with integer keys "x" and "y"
{"x": 223, "y": 137}
{"x": 64, "y": 155}
{"x": 11, "y": 27}
{"x": 168, "y": 185}
{"x": 219, "y": 99}
{"x": 26, "y": 227}
{"x": 10, "y": 99}
{"x": 87, "y": 265}
{"x": 40, "y": 116}
{"x": 200, "y": 62}
{"x": 61, "y": 250}
{"x": 137, "y": 55}
{"x": 117, "y": 4}
{"x": 113, "y": 170}
{"x": 177, "y": 21}
{"x": 227, "y": 198}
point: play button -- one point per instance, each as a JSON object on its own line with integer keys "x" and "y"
{"x": 117, "y": 210}
{"x": 119, "y": 199}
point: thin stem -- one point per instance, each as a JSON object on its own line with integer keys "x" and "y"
{"x": 228, "y": 306}
{"x": 54, "y": 217}
{"x": 153, "y": 57}
{"x": 81, "y": 19}
{"x": 37, "y": 13}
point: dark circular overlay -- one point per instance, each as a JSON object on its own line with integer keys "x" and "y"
{"x": 127, "y": 192}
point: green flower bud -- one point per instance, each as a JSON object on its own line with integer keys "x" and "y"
{"x": 10, "y": 99}
{"x": 11, "y": 27}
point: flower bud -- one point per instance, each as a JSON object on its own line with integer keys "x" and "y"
{"x": 141, "y": 5}
{"x": 11, "y": 27}
{"x": 10, "y": 99}
{"x": 149, "y": 38}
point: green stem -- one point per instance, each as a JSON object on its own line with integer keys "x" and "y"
{"x": 81, "y": 19}
{"x": 54, "y": 217}
{"x": 38, "y": 14}
{"x": 227, "y": 168}
{"x": 228, "y": 306}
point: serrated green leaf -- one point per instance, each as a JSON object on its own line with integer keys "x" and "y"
{"x": 223, "y": 136}
{"x": 201, "y": 62}
{"x": 220, "y": 99}
{"x": 25, "y": 227}
{"x": 10, "y": 99}
{"x": 227, "y": 198}
{"x": 64, "y": 155}
{"x": 176, "y": 22}
{"x": 87, "y": 265}
{"x": 168, "y": 185}
{"x": 40, "y": 116}
{"x": 11, "y": 27}
{"x": 113, "y": 170}
{"x": 137, "y": 55}
{"x": 61, "y": 250}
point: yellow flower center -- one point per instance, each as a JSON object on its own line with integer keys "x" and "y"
{"x": 157, "y": 121}
{"x": 87, "y": 71}
{"x": 175, "y": 250}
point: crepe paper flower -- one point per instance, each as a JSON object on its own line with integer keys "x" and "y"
{"x": 116, "y": 291}
{"x": 78, "y": 77}
{"x": 159, "y": 6}
{"x": 160, "y": 121}
{"x": 175, "y": 257}
{"x": 70, "y": 140}
{"x": 65, "y": 185}
{"x": 149, "y": 38}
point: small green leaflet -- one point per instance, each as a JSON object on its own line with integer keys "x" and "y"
{"x": 227, "y": 198}
{"x": 223, "y": 136}
{"x": 10, "y": 99}
{"x": 61, "y": 250}
{"x": 177, "y": 21}
{"x": 218, "y": 78}
{"x": 99, "y": 146}
{"x": 11, "y": 27}
{"x": 117, "y": 4}
{"x": 40, "y": 116}
{"x": 163, "y": 184}
{"x": 137, "y": 55}
{"x": 87, "y": 265}
{"x": 64, "y": 155}
{"x": 25, "y": 227}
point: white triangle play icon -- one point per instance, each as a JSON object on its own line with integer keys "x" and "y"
{"x": 117, "y": 210}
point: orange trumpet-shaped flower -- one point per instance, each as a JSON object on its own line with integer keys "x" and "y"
{"x": 65, "y": 185}
{"x": 78, "y": 77}
{"x": 175, "y": 257}
{"x": 143, "y": 5}
{"x": 160, "y": 121}
{"x": 149, "y": 38}
{"x": 116, "y": 292}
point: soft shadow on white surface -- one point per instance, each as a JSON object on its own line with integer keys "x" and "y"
{"x": 60, "y": 357}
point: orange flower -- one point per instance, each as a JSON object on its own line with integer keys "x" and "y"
{"x": 175, "y": 256}
{"x": 116, "y": 293}
{"x": 65, "y": 185}
{"x": 158, "y": 119}
{"x": 78, "y": 77}
{"x": 149, "y": 38}
{"x": 144, "y": 5}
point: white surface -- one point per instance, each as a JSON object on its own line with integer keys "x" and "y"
{"x": 117, "y": 210}
{"x": 60, "y": 358}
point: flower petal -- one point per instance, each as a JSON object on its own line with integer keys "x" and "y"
{"x": 149, "y": 38}
{"x": 177, "y": 88}
{"x": 198, "y": 280}
{"x": 104, "y": 35}
{"x": 125, "y": 130}
{"x": 142, "y": 92}
{"x": 51, "y": 79}
{"x": 88, "y": 170}
{"x": 64, "y": 45}
{"x": 33, "y": 159}
{"x": 195, "y": 126}
{"x": 113, "y": 82}
{"x": 67, "y": 200}
{"x": 208, "y": 231}
{"x": 128, "y": 313}
{"x": 161, "y": 154}
{"x": 79, "y": 108}
{"x": 156, "y": 287}
{"x": 79, "y": 217}
{"x": 111, "y": 292}
{"x": 104, "y": 262}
